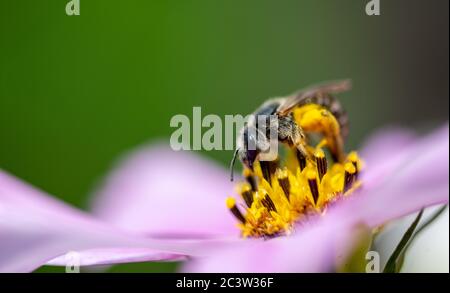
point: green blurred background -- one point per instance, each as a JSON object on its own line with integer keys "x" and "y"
{"x": 76, "y": 92}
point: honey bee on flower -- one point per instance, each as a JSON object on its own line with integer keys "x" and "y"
{"x": 279, "y": 193}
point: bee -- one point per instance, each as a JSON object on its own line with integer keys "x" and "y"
{"x": 293, "y": 119}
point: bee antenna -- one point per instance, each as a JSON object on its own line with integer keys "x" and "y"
{"x": 232, "y": 164}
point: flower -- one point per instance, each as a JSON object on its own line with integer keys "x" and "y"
{"x": 165, "y": 205}
{"x": 278, "y": 198}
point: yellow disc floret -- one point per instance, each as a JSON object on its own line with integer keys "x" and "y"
{"x": 276, "y": 206}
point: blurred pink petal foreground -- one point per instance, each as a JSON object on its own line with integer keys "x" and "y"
{"x": 165, "y": 205}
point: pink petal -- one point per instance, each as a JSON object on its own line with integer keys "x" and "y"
{"x": 35, "y": 228}
{"x": 384, "y": 151}
{"x": 385, "y": 142}
{"x": 418, "y": 179}
{"x": 157, "y": 191}
{"x": 107, "y": 256}
{"x": 320, "y": 246}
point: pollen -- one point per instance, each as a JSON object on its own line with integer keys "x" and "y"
{"x": 278, "y": 195}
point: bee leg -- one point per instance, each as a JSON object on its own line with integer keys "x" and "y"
{"x": 290, "y": 133}
{"x": 337, "y": 149}
{"x": 320, "y": 120}
{"x": 335, "y": 146}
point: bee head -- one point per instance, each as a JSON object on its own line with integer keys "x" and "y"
{"x": 246, "y": 156}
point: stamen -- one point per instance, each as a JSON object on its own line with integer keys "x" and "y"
{"x": 250, "y": 179}
{"x": 283, "y": 180}
{"x": 301, "y": 160}
{"x": 321, "y": 162}
{"x": 268, "y": 203}
{"x": 231, "y": 205}
{"x": 312, "y": 182}
{"x": 350, "y": 176}
{"x": 247, "y": 195}
{"x": 353, "y": 158}
{"x": 268, "y": 168}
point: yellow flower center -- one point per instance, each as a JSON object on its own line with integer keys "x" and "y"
{"x": 276, "y": 196}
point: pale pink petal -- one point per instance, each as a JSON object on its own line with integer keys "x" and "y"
{"x": 419, "y": 178}
{"x": 320, "y": 246}
{"x": 389, "y": 149}
{"x": 158, "y": 191}
{"x": 35, "y": 228}
{"x": 386, "y": 142}
{"x": 107, "y": 256}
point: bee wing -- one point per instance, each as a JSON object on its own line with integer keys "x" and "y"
{"x": 302, "y": 96}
